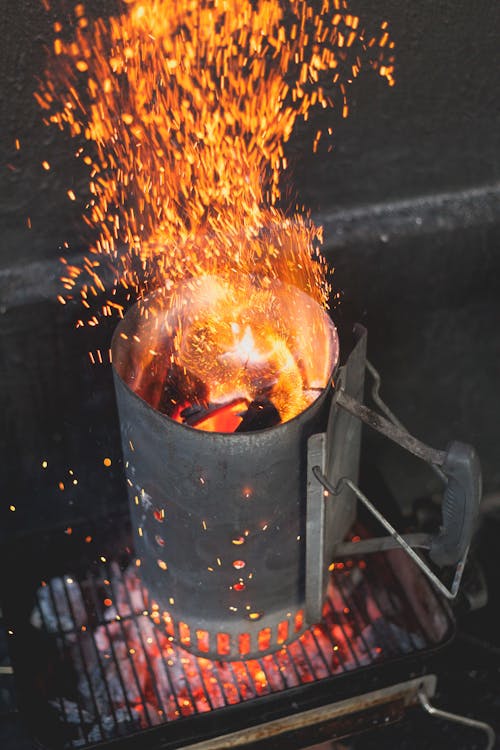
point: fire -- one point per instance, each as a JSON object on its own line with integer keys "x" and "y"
{"x": 226, "y": 357}
{"x": 182, "y": 111}
{"x": 251, "y": 359}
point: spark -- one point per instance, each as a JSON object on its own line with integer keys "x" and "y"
{"x": 184, "y": 135}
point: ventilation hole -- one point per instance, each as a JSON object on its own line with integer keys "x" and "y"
{"x": 203, "y": 641}
{"x": 239, "y": 564}
{"x": 244, "y": 643}
{"x": 239, "y": 586}
{"x": 223, "y": 644}
{"x": 169, "y": 623}
{"x": 184, "y": 634}
{"x": 282, "y": 631}
{"x": 299, "y": 620}
{"x": 264, "y": 639}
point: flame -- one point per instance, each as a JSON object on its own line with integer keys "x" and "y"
{"x": 212, "y": 343}
{"x": 249, "y": 359}
{"x": 182, "y": 111}
{"x": 245, "y": 349}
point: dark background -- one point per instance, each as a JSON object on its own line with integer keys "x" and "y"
{"x": 409, "y": 201}
{"x": 409, "y": 198}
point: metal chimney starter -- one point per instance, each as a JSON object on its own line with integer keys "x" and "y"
{"x": 219, "y": 519}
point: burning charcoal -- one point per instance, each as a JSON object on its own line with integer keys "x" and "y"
{"x": 260, "y": 414}
{"x": 208, "y": 671}
{"x": 118, "y": 641}
{"x": 250, "y": 678}
{"x": 227, "y": 680}
{"x": 226, "y": 418}
{"x": 91, "y": 685}
{"x": 315, "y": 655}
{"x": 385, "y": 637}
{"x": 181, "y": 390}
{"x": 300, "y": 662}
{"x": 431, "y": 619}
{"x": 53, "y": 613}
{"x": 273, "y": 673}
{"x": 285, "y": 666}
{"x": 135, "y": 590}
{"x": 190, "y": 667}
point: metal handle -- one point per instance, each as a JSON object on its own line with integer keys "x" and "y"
{"x": 458, "y": 719}
{"x": 460, "y": 467}
{"x": 460, "y": 504}
{"x": 332, "y": 460}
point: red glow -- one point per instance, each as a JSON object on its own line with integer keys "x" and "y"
{"x": 224, "y": 419}
{"x": 173, "y": 682}
{"x": 282, "y": 631}
{"x": 244, "y": 643}
{"x": 223, "y": 644}
{"x": 176, "y": 414}
{"x": 264, "y": 639}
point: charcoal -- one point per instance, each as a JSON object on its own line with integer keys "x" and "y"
{"x": 383, "y": 636}
{"x": 259, "y": 415}
{"x": 129, "y": 671}
{"x": 109, "y": 726}
{"x": 181, "y": 387}
{"x": 192, "y": 414}
{"x": 53, "y": 613}
{"x": 73, "y": 714}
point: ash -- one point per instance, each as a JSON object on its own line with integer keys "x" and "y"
{"x": 128, "y": 674}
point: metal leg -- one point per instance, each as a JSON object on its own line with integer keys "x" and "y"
{"x": 464, "y": 720}
{"x": 350, "y": 547}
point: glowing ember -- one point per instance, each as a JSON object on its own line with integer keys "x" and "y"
{"x": 245, "y": 362}
{"x": 226, "y": 357}
{"x": 152, "y": 679}
{"x": 182, "y": 110}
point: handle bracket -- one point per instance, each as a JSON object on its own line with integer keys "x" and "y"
{"x": 406, "y": 542}
{"x": 458, "y": 467}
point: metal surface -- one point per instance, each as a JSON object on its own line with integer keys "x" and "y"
{"x": 220, "y": 519}
{"x": 381, "y": 544}
{"x": 465, "y": 721}
{"x": 459, "y": 465}
{"x": 405, "y": 693}
{"x": 337, "y": 452}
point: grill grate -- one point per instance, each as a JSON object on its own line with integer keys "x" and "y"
{"x": 128, "y": 674}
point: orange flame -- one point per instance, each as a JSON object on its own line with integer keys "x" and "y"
{"x": 211, "y": 352}
{"x": 183, "y": 110}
